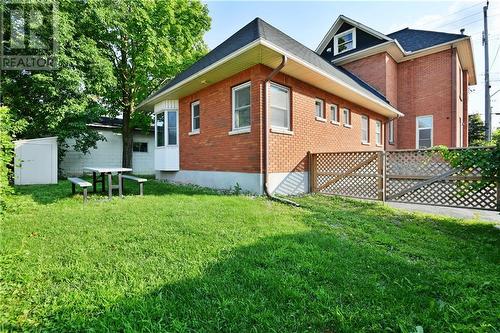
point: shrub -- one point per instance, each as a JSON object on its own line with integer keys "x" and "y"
{"x": 8, "y": 129}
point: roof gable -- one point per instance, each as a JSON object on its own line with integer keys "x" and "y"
{"x": 338, "y": 26}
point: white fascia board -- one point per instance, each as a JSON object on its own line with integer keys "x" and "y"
{"x": 367, "y": 52}
{"x": 336, "y": 26}
{"x": 336, "y": 80}
{"x": 201, "y": 72}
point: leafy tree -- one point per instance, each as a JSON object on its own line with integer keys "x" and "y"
{"x": 144, "y": 42}
{"x": 477, "y": 130}
{"x": 63, "y": 101}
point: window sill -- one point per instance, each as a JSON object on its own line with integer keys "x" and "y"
{"x": 196, "y": 132}
{"x": 365, "y": 143}
{"x": 347, "y": 125}
{"x": 281, "y": 131}
{"x": 391, "y": 143}
{"x": 239, "y": 131}
{"x": 378, "y": 145}
{"x": 323, "y": 120}
{"x": 336, "y": 123}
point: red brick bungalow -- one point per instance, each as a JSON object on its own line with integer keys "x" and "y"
{"x": 210, "y": 120}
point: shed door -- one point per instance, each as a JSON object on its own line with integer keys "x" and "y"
{"x": 35, "y": 161}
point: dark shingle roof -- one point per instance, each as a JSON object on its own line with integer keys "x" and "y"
{"x": 260, "y": 29}
{"x": 413, "y": 40}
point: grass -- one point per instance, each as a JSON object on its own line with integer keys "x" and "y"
{"x": 186, "y": 259}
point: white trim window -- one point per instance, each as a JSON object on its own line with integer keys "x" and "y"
{"x": 346, "y": 117}
{"x": 378, "y": 132}
{"x": 344, "y": 41}
{"x": 241, "y": 106}
{"x": 279, "y": 105}
{"x": 391, "y": 132}
{"x": 334, "y": 109}
{"x": 365, "y": 130}
{"x": 424, "y": 132}
{"x": 319, "y": 107}
{"x": 195, "y": 117}
{"x": 172, "y": 128}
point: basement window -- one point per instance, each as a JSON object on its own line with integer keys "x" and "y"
{"x": 344, "y": 41}
{"x": 140, "y": 147}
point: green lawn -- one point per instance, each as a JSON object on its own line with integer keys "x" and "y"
{"x": 186, "y": 259}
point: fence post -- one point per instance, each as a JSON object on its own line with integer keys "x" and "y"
{"x": 498, "y": 195}
{"x": 312, "y": 172}
{"x": 381, "y": 176}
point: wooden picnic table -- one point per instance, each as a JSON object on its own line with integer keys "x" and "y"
{"x": 107, "y": 171}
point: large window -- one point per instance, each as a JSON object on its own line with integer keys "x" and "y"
{"x": 391, "y": 131}
{"x": 365, "y": 132}
{"x": 241, "y": 106}
{"x": 344, "y": 41}
{"x": 279, "y": 105}
{"x": 160, "y": 129}
{"x": 172, "y": 127}
{"x": 378, "y": 132}
{"x": 346, "y": 115}
{"x": 140, "y": 147}
{"x": 424, "y": 132}
{"x": 319, "y": 105}
{"x": 334, "y": 109}
{"x": 195, "y": 117}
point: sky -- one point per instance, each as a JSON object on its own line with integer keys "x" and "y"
{"x": 309, "y": 21}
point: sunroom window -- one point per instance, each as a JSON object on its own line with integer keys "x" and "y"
{"x": 344, "y": 41}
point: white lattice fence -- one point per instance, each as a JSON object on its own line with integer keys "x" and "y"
{"x": 412, "y": 176}
{"x": 353, "y": 174}
{"x": 420, "y": 176}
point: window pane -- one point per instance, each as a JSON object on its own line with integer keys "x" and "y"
{"x": 279, "y": 97}
{"x": 242, "y": 97}
{"x": 319, "y": 108}
{"x": 425, "y": 134}
{"x": 242, "y": 117}
{"x": 195, "y": 109}
{"x": 279, "y": 117}
{"x": 344, "y": 47}
{"x": 424, "y": 143}
{"x": 424, "y": 122}
{"x": 391, "y": 131}
{"x": 364, "y": 129}
{"x": 347, "y": 117}
{"x": 345, "y": 38}
{"x": 196, "y": 123}
{"x": 334, "y": 111}
{"x": 172, "y": 128}
{"x": 279, "y": 106}
{"x": 160, "y": 129}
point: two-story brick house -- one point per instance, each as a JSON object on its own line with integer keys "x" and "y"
{"x": 249, "y": 111}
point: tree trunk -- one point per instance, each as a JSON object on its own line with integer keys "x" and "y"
{"x": 127, "y": 136}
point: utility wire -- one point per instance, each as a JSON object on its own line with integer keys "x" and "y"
{"x": 495, "y": 58}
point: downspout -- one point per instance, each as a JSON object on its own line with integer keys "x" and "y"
{"x": 265, "y": 118}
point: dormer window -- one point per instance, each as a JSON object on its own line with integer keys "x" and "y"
{"x": 344, "y": 41}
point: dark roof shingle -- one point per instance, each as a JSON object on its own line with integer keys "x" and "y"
{"x": 413, "y": 40}
{"x": 260, "y": 29}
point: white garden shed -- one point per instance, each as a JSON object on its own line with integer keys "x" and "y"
{"x": 35, "y": 161}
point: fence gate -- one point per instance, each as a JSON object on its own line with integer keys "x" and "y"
{"x": 411, "y": 176}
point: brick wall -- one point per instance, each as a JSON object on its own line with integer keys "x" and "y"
{"x": 424, "y": 88}
{"x": 288, "y": 152}
{"x": 215, "y": 150}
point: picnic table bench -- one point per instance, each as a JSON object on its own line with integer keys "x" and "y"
{"x": 80, "y": 182}
{"x": 141, "y": 182}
